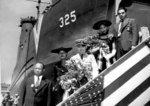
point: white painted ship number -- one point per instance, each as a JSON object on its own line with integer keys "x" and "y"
{"x": 67, "y": 19}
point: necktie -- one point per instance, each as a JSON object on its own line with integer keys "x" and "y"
{"x": 37, "y": 82}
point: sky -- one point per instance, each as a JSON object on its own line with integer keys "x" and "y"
{"x": 11, "y": 11}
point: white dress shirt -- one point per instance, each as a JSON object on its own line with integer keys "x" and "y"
{"x": 119, "y": 29}
{"x": 36, "y": 78}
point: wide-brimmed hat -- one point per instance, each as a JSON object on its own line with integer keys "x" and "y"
{"x": 61, "y": 49}
{"x": 97, "y": 25}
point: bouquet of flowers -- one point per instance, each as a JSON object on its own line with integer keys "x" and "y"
{"x": 94, "y": 42}
{"x": 77, "y": 70}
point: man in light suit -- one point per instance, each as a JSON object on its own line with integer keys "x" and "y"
{"x": 125, "y": 32}
{"x": 36, "y": 90}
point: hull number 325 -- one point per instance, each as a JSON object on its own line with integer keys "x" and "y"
{"x": 67, "y": 19}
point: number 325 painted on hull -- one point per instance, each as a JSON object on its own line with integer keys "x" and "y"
{"x": 67, "y": 19}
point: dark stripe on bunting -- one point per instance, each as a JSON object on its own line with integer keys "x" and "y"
{"x": 126, "y": 76}
{"x": 147, "y": 104}
{"x": 135, "y": 93}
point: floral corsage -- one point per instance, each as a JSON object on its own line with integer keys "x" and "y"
{"x": 34, "y": 88}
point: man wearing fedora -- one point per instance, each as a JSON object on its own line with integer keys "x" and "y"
{"x": 106, "y": 51}
{"x": 125, "y": 32}
{"x": 59, "y": 70}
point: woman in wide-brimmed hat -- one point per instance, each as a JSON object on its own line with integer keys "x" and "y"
{"x": 59, "y": 70}
{"x": 62, "y": 52}
{"x": 107, "y": 50}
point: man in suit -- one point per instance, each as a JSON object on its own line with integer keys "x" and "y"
{"x": 36, "y": 90}
{"x": 7, "y": 99}
{"x": 126, "y": 33}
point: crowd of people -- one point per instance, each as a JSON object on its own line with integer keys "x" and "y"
{"x": 95, "y": 53}
{"x": 8, "y": 100}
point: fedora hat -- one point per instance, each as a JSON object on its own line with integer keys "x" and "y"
{"x": 61, "y": 49}
{"x": 97, "y": 25}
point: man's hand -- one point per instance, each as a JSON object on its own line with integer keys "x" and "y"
{"x": 105, "y": 55}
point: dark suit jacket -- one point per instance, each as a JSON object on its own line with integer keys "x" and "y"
{"x": 41, "y": 97}
{"x": 129, "y": 36}
{"x": 59, "y": 70}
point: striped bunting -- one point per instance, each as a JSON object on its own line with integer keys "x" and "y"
{"x": 88, "y": 95}
{"x": 127, "y": 83}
